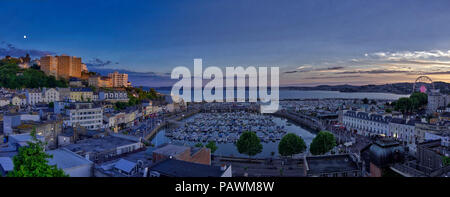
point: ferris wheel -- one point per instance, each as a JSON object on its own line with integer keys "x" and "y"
{"x": 423, "y": 84}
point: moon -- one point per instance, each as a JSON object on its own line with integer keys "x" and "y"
{"x": 25, "y": 37}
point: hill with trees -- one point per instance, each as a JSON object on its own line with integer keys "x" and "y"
{"x": 14, "y": 77}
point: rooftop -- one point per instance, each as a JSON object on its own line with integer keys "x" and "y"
{"x": 98, "y": 144}
{"x": 171, "y": 150}
{"x": 65, "y": 159}
{"x": 6, "y": 163}
{"x": 125, "y": 165}
{"x": 178, "y": 168}
{"x": 330, "y": 164}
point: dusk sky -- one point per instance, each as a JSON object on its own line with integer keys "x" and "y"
{"x": 313, "y": 42}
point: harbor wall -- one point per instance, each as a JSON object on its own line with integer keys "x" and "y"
{"x": 302, "y": 121}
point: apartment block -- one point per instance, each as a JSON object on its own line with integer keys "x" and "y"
{"x": 63, "y": 66}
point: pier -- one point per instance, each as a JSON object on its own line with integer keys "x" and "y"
{"x": 310, "y": 122}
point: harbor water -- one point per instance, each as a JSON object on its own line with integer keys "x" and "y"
{"x": 229, "y": 148}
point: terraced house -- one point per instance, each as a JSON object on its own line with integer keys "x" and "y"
{"x": 382, "y": 125}
{"x": 81, "y": 94}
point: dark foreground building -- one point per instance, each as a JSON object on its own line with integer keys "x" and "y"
{"x": 347, "y": 165}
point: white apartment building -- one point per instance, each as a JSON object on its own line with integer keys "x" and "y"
{"x": 404, "y": 130}
{"x": 119, "y": 79}
{"x": 34, "y": 96}
{"x": 86, "y": 115}
{"x": 50, "y": 95}
{"x": 368, "y": 124}
{"x": 4, "y": 101}
{"x": 113, "y": 96}
{"x": 436, "y": 100}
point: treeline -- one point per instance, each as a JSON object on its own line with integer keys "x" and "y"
{"x": 14, "y": 77}
{"x": 416, "y": 101}
{"x": 136, "y": 96}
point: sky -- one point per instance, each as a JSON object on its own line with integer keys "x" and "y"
{"x": 316, "y": 42}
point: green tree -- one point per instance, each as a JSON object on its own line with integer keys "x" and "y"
{"x": 445, "y": 160}
{"x": 198, "y": 145}
{"x": 249, "y": 144}
{"x": 365, "y": 101}
{"x": 212, "y": 146}
{"x": 404, "y": 105}
{"x": 419, "y": 100}
{"x": 291, "y": 144}
{"x": 51, "y": 104}
{"x": 32, "y": 161}
{"x": 322, "y": 143}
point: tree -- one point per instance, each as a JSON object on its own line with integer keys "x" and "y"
{"x": 322, "y": 143}
{"x": 365, "y": 101}
{"x": 212, "y": 146}
{"x": 404, "y": 105}
{"x": 445, "y": 160}
{"x": 199, "y": 145}
{"x": 31, "y": 161}
{"x": 291, "y": 144}
{"x": 419, "y": 100}
{"x": 249, "y": 144}
{"x": 51, "y": 104}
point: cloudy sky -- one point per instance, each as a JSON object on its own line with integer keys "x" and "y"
{"x": 313, "y": 42}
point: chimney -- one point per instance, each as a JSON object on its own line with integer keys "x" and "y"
{"x": 223, "y": 167}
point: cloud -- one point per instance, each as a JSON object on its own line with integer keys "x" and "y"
{"x": 412, "y": 54}
{"x": 303, "y": 69}
{"x": 334, "y": 77}
{"x": 11, "y": 50}
{"x": 96, "y": 62}
{"x": 379, "y": 71}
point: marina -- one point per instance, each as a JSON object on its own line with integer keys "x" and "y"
{"x": 225, "y": 129}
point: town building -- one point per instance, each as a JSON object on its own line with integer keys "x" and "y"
{"x": 11, "y": 120}
{"x": 61, "y": 66}
{"x": 105, "y": 148}
{"x": 100, "y": 81}
{"x": 403, "y": 130}
{"x": 34, "y": 96}
{"x": 19, "y": 100}
{"x": 113, "y": 96}
{"x": 75, "y": 82}
{"x": 49, "y": 129}
{"x": 81, "y": 94}
{"x": 366, "y": 124}
{"x": 435, "y": 101}
{"x": 179, "y": 168}
{"x": 64, "y": 94}
{"x": 379, "y": 156}
{"x": 72, "y": 164}
{"x": 373, "y": 124}
{"x": 17, "y": 141}
{"x": 6, "y": 166}
{"x": 430, "y": 154}
{"x": 119, "y": 79}
{"x": 438, "y": 128}
{"x": 50, "y": 95}
{"x": 127, "y": 165}
{"x": 86, "y": 115}
{"x": 190, "y": 154}
{"x": 4, "y": 101}
{"x": 347, "y": 165}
